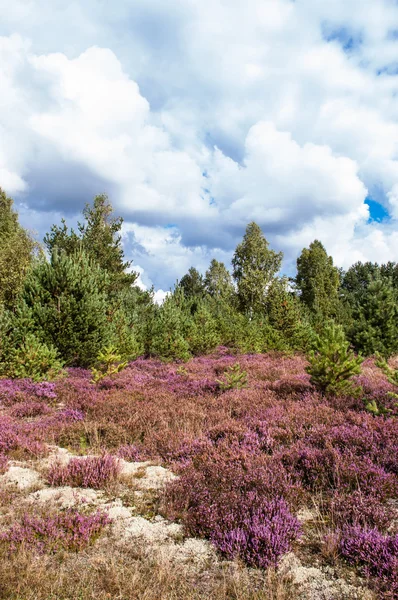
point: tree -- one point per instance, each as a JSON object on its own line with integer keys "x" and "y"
{"x": 375, "y": 319}
{"x": 63, "y": 303}
{"x": 99, "y": 236}
{"x": 254, "y": 268}
{"x": 218, "y": 281}
{"x": 16, "y": 252}
{"x": 318, "y": 280}
{"x": 287, "y": 315}
{"x": 168, "y": 328}
{"x": 355, "y": 281}
{"x": 333, "y": 363}
{"x": 192, "y": 284}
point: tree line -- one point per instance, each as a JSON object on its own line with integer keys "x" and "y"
{"x": 62, "y": 303}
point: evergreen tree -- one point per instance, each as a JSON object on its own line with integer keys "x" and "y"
{"x": 355, "y": 281}
{"x": 287, "y": 315}
{"x": 218, "y": 281}
{"x": 332, "y": 363}
{"x": 99, "y": 236}
{"x": 375, "y": 319}
{"x": 64, "y": 304}
{"x": 254, "y": 268}
{"x": 390, "y": 270}
{"x": 203, "y": 336}
{"x": 168, "y": 328}
{"x": 318, "y": 281}
{"x": 16, "y": 252}
{"x": 192, "y": 284}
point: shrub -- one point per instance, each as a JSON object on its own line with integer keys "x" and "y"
{"x": 360, "y": 510}
{"x": 261, "y": 537}
{"x": 69, "y": 530}
{"x": 34, "y": 360}
{"x": 234, "y": 378}
{"x": 229, "y": 494}
{"x": 92, "y": 472}
{"x": 332, "y": 363}
{"x": 376, "y": 554}
{"x": 109, "y": 364}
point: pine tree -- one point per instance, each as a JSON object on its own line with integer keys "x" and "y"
{"x": 318, "y": 281}
{"x": 218, "y": 281}
{"x": 202, "y": 335}
{"x": 287, "y": 315}
{"x": 355, "y": 281}
{"x": 333, "y": 363}
{"x": 375, "y": 319}
{"x": 192, "y": 284}
{"x": 166, "y": 337}
{"x": 64, "y": 304}
{"x": 99, "y": 237}
{"x": 254, "y": 268}
{"x": 17, "y": 249}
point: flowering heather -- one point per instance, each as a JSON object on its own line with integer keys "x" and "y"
{"x": 29, "y": 408}
{"x": 15, "y": 439}
{"x": 376, "y": 554}
{"x": 260, "y": 537}
{"x": 131, "y": 452}
{"x": 91, "y": 472}
{"x": 236, "y": 453}
{"x": 69, "y": 530}
{"x": 359, "y": 510}
{"x": 13, "y": 389}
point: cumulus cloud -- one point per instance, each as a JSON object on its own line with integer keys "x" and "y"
{"x": 196, "y": 118}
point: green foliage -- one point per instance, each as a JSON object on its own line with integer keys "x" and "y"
{"x": 32, "y": 359}
{"x": 234, "y": 378}
{"x": 192, "y": 284}
{"x": 254, "y": 268}
{"x": 168, "y": 327}
{"x": 17, "y": 249}
{"x": 218, "y": 281}
{"x": 332, "y": 363}
{"x": 64, "y": 304}
{"x": 374, "y": 327}
{"x": 109, "y": 363}
{"x": 203, "y": 336}
{"x": 318, "y": 281}
{"x": 356, "y": 280}
{"x": 287, "y": 315}
{"x": 99, "y": 237}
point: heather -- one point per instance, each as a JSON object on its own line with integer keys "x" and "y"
{"x": 93, "y": 472}
{"x": 249, "y": 458}
{"x": 69, "y": 530}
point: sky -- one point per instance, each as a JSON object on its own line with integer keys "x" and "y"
{"x": 199, "y": 117}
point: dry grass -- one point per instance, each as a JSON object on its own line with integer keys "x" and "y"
{"x": 130, "y": 574}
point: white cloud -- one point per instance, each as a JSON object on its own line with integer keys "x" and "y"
{"x": 197, "y": 118}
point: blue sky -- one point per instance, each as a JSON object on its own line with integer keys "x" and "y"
{"x": 197, "y": 118}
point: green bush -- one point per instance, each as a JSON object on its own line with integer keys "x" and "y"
{"x": 33, "y": 359}
{"x": 109, "y": 363}
{"x": 234, "y": 378}
{"x": 333, "y": 363}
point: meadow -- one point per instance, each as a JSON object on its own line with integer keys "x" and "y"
{"x": 266, "y": 467}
